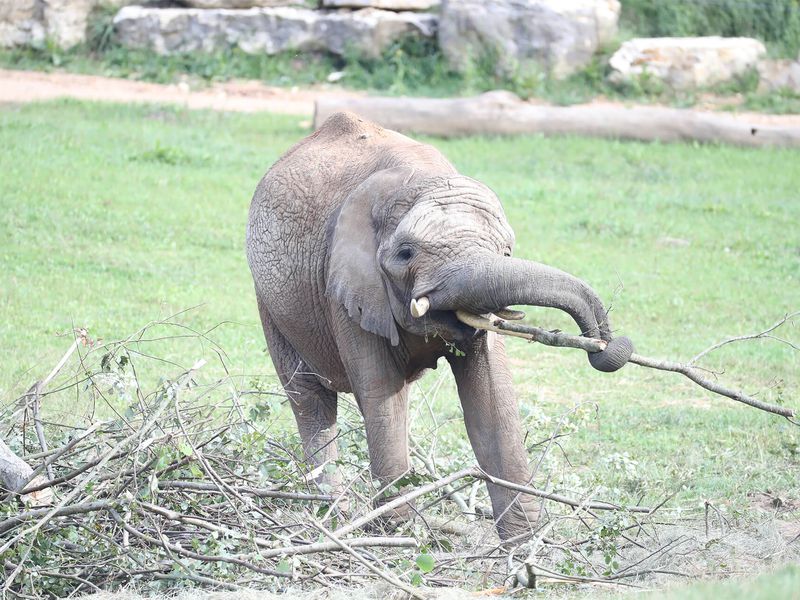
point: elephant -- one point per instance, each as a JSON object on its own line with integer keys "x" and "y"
{"x": 363, "y": 244}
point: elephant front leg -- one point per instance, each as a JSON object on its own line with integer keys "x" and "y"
{"x": 386, "y": 423}
{"x": 491, "y": 415}
{"x": 382, "y": 395}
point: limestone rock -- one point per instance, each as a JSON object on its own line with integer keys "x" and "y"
{"x": 30, "y": 22}
{"x": 382, "y": 4}
{"x": 21, "y": 23}
{"x": 240, "y": 3}
{"x": 559, "y": 35}
{"x": 686, "y": 63}
{"x": 267, "y": 30}
{"x": 66, "y": 20}
{"x": 775, "y": 75}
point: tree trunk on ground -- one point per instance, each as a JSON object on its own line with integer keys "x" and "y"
{"x": 14, "y": 472}
{"x": 502, "y": 113}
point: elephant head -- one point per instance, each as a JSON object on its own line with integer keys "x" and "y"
{"x": 409, "y": 248}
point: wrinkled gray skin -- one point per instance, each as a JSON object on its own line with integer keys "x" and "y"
{"x": 344, "y": 230}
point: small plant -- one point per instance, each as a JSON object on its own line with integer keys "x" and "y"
{"x": 167, "y": 155}
{"x": 100, "y": 29}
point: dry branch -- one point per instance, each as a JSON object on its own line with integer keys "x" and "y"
{"x": 198, "y": 486}
{"x": 174, "y": 490}
{"x": 62, "y": 511}
{"x": 524, "y": 489}
{"x": 689, "y": 370}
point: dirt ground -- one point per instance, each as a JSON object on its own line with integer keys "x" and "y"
{"x": 236, "y": 96}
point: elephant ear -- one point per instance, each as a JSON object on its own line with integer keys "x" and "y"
{"x": 354, "y": 277}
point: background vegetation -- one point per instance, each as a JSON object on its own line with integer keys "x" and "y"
{"x": 776, "y": 22}
{"x": 417, "y": 67}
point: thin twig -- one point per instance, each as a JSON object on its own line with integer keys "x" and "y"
{"x": 556, "y": 497}
{"x": 754, "y": 336}
{"x": 242, "y": 489}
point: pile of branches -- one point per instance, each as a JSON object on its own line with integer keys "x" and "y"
{"x": 194, "y": 481}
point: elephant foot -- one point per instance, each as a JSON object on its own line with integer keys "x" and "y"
{"x": 389, "y": 522}
{"x": 517, "y": 520}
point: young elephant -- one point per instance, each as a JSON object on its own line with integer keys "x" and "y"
{"x": 362, "y": 244}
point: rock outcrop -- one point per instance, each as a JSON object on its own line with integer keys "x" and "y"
{"x": 686, "y": 63}
{"x": 382, "y": 4}
{"x": 241, "y": 3}
{"x": 21, "y": 23}
{"x": 777, "y": 75}
{"x": 560, "y": 36}
{"x": 268, "y": 30}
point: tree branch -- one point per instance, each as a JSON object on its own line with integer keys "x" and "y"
{"x": 552, "y": 338}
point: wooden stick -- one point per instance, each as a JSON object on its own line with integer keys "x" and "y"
{"x": 524, "y": 489}
{"x": 63, "y": 511}
{"x": 242, "y": 489}
{"x": 551, "y": 338}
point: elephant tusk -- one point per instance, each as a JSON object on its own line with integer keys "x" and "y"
{"x": 530, "y": 333}
{"x": 510, "y": 315}
{"x": 420, "y": 306}
{"x": 486, "y": 323}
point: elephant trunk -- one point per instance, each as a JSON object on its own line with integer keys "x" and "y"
{"x": 490, "y": 284}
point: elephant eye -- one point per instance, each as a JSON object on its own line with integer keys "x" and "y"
{"x": 405, "y": 254}
{"x": 507, "y": 252}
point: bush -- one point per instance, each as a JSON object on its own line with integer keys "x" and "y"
{"x": 774, "y": 21}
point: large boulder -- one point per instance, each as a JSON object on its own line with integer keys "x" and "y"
{"x": 776, "y": 75}
{"x": 267, "y": 30}
{"x": 686, "y": 63}
{"x": 31, "y": 22}
{"x": 558, "y": 35}
{"x": 21, "y": 23}
{"x": 382, "y": 4}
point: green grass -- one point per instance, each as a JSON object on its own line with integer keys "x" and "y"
{"x": 113, "y": 216}
{"x": 783, "y": 583}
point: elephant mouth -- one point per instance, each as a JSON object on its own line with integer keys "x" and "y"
{"x": 449, "y": 327}
{"x": 462, "y": 326}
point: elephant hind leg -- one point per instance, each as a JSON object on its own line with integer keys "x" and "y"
{"x": 313, "y": 405}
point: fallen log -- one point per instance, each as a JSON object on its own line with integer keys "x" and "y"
{"x": 503, "y": 113}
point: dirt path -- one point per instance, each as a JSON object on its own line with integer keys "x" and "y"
{"x": 237, "y": 96}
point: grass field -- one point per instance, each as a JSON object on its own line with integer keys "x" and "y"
{"x": 114, "y": 216}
